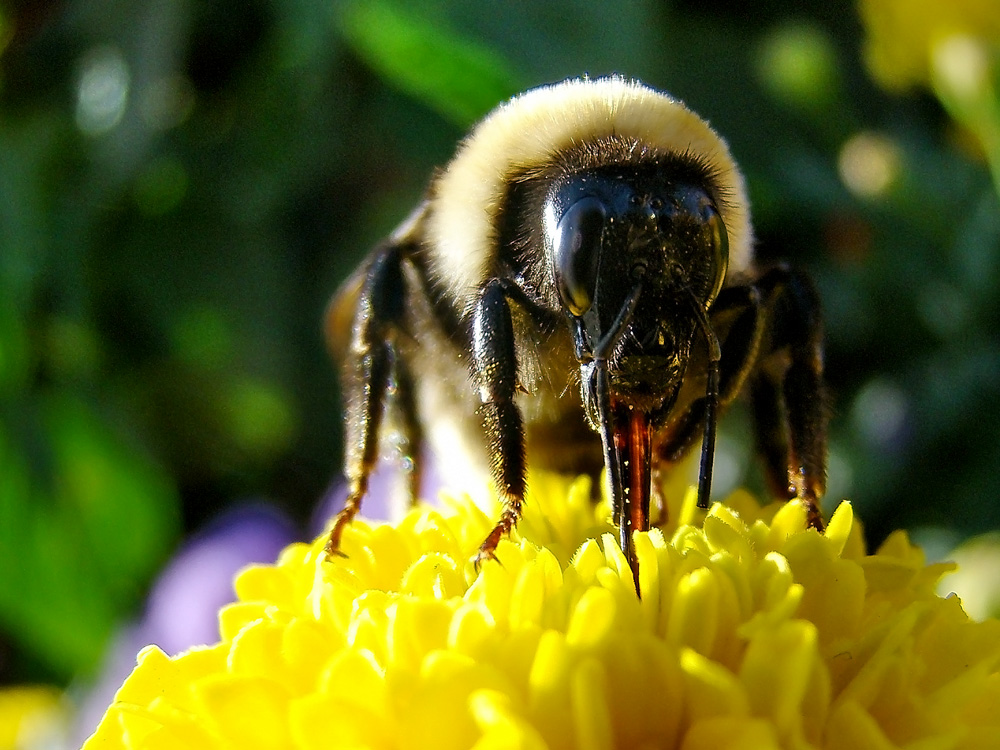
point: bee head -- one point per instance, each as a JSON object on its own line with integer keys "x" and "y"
{"x": 649, "y": 235}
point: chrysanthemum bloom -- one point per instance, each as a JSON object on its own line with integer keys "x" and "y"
{"x": 751, "y": 632}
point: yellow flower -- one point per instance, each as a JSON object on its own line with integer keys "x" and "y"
{"x": 752, "y": 632}
{"x": 32, "y": 716}
{"x": 952, "y": 48}
{"x": 903, "y": 35}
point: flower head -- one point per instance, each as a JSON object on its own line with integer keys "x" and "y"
{"x": 751, "y": 632}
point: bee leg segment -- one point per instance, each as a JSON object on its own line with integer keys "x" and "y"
{"x": 368, "y": 372}
{"x": 708, "y": 438}
{"x": 495, "y": 371}
{"x": 411, "y": 431}
{"x": 625, "y": 434}
{"x": 789, "y": 393}
{"x": 737, "y": 323}
{"x": 625, "y": 437}
{"x": 711, "y": 405}
{"x": 634, "y": 444}
{"x": 596, "y": 375}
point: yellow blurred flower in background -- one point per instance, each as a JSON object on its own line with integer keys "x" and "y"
{"x": 903, "y": 34}
{"x": 32, "y": 716}
{"x": 950, "y": 47}
{"x": 751, "y": 633}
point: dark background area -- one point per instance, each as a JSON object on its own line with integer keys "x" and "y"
{"x": 184, "y": 184}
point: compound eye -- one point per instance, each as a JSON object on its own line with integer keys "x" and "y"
{"x": 718, "y": 239}
{"x": 576, "y": 251}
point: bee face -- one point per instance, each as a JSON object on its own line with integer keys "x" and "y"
{"x": 649, "y": 230}
{"x": 594, "y": 231}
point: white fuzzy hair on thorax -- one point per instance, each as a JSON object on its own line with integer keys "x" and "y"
{"x": 531, "y": 129}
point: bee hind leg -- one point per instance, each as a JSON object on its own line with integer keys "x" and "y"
{"x": 370, "y": 367}
{"x": 411, "y": 431}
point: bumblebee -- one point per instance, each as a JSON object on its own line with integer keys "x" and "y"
{"x": 577, "y": 289}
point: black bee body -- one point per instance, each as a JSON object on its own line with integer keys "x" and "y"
{"x": 577, "y": 290}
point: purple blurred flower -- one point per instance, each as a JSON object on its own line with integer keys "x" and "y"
{"x": 183, "y": 606}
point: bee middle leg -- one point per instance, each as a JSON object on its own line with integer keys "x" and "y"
{"x": 788, "y": 391}
{"x": 495, "y": 374}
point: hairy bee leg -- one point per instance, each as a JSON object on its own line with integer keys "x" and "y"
{"x": 769, "y": 429}
{"x": 411, "y": 430}
{"x": 367, "y": 372}
{"x": 495, "y": 371}
{"x": 789, "y": 393}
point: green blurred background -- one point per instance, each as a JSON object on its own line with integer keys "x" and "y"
{"x": 183, "y": 184}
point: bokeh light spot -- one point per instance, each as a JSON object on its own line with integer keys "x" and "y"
{"x": 960, "y": 66}
{"x": 260, "y": 417}
{"x": 798, "y": 66}
{"x": 879, "y": 413}
{"x": 102, "y": 91}
{"x": 868, "y": 164}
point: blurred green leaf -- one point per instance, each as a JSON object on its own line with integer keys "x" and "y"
{"x": 14, "y": 350}
{"x": 84, "y": 522}
{"x": 202, "y": 338}
{"x": 259, "y": 418}
{"x": 460, "y": 79}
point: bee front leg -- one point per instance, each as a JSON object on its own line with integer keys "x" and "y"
{"x": 737, "y": 321}
{"x": 371, "y": 364}
{"x": 494, "y": 365}
{"x": 788, "y": 391}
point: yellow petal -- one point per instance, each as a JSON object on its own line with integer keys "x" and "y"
{"x": 228, "y": 703}
{"x": 501, "y": 728}
{"x": 838, "y": 530}
{"x": 694, "y": 613}
{"x": 711, "y": 690}
{"x": 776, "y": 672}
{"x": 324, "y": 722}
{"x": 851, "y": 727}
{"x": 728, "y": 733}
